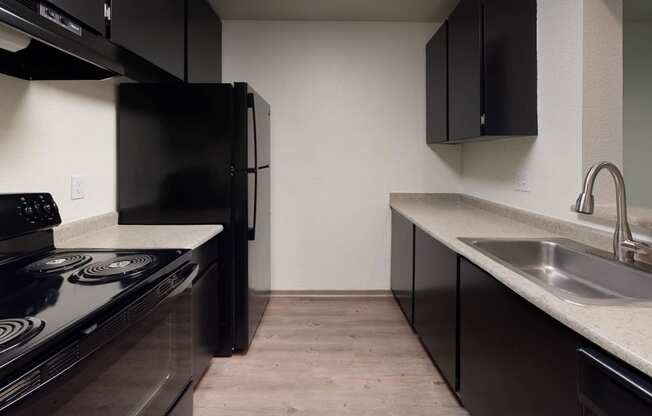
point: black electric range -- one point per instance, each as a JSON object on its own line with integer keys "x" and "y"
{"x": 88, "y": 318}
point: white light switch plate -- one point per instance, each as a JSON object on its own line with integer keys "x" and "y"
{"x": 522, "y": 182}
{"x": 77, "y": 187}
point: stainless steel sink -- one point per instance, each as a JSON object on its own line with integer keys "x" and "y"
{"x": 576, "y": 273}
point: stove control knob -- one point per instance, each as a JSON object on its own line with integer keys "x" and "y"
{"x": 28, "y": 211}
{"x": 47, "y": 208}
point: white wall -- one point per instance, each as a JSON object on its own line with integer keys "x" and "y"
{"x": 348, "y": 128}
{"x": 552, "y": 163}
{"x": 52, "y": 130}
{"x": 602, "y": 118}
{"x": 638, "y": 111}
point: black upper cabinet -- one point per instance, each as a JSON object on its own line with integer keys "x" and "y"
{"x": 464, "y": 68}
{"x": 437, "y": 86}
{"x": 435, "y": 302}
{"x": 88, "y": 12}
{"x": 492, "y": 72}
{"x": 204, "y": 43}
{"x": 153, "y": 29}
{"x": 510, "y": 67}
{"x": 514, "y": 358}
{"x": 402, "y": 268}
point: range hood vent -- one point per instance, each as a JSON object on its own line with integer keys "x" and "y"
{"x": 12, "y": 40}
{"x": 39, "y": 61}
{"x": 35, "y": 48}
{"x": 45, "y": 43}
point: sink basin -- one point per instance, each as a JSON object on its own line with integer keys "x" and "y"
{"x": 575, "y": 273}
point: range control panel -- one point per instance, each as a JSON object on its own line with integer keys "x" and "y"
{"x": 23, "y": 213}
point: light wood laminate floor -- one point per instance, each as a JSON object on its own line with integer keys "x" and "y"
{"x": 328, "y": 356}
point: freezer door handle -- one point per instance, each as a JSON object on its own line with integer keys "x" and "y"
{"x": 251, "y": 232}
{"x": 251, "y": 103}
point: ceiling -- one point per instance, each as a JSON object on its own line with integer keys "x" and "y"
{"x": 637, "y": 9}
{"x": 336, "y": 10}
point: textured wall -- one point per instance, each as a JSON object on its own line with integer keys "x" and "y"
{"x": 602, "y": 121}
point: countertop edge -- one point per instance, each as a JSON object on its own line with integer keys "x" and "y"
{"x": 538, "y": 296}
{"x": 103, "y": 232}
{"x": 199, "y": 242}
{"x": 144, "y": 237}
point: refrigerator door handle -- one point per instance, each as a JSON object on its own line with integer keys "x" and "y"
{"x": 251, "y": 232}
{"x": 251, "y": 103}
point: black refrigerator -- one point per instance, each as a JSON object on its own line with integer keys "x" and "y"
{"x": 200, "y": 154}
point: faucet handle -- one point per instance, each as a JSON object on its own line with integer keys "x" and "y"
{"x": 637, "y": 247}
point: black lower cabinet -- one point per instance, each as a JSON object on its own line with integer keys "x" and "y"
{"x": 514, "y": 358}
{"x": 402, "y": 269}
{"x": 502, "y": 355}
{"x": 435, "y": 303}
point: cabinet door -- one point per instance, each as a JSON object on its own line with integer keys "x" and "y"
{"x": 437, "y": 86}
{"x": 88, "y": 12}
{"x": 435, "y": 302}
{"x": 152, "y": 29}
{"x": 510, "y": 67}
{"x": 402, "y": 279}
{"x": 514, "y": 358}
{"x": 204, "y": 43}
{"x": 465, "y": 69}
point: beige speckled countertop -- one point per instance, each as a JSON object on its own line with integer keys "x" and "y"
{"x": 625, "y": 332}
{"x": 143, "y": 237}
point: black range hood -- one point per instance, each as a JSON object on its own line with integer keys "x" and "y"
{"x": 61, "y": 48}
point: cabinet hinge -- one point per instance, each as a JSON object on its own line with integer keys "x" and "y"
{"x": 107, "y": 11}
{"x": 483, "y": 119}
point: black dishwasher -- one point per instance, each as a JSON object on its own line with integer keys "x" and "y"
{"x": 608, "y": 387}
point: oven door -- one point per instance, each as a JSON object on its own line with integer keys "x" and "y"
{"x": 142, "y": 371}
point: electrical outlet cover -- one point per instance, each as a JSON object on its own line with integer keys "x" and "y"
{"x": 77, "y": 187}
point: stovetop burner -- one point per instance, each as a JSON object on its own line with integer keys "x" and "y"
{"x": 14, "y": 332}
{"x": 58, "y": 263}
{"x": 116, "y": 269}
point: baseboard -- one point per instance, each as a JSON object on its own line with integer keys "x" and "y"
{"x": 331, "y": 293}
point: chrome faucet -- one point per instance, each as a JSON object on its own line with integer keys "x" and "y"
{"x": 625, "y": 247}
